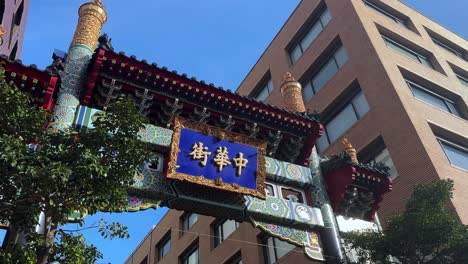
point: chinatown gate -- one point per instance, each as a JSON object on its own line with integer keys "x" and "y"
{"x": 218, "y": 153}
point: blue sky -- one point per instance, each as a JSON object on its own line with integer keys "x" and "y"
{"x": 215, "y": 40}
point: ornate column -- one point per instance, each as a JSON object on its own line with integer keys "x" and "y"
{"x": 292, "y": 94}
{"x": 330, "y": 234}
{"x": 92, "y": 17}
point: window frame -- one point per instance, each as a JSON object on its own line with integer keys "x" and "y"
{"x": 463, "y": 80}
{"x": 330, "y": 58}
{"x": 274, "y": 247}
{"x": 145, "y": 260}
{"x": 421, "y": 58}
{"x": 358, "y": 115}
{"x": 446, "y": 101}
{"x": 219, "y": 236}
{"x": 387, "y": 14}
{"x": 456, "y": 146}
{"x": 161, "y": 245}
{"x": 376, "y": 151}
{"x": 264, "y": 84}
{"x": 236, "y": 259}
{"x": 186, "y": 225}
{"x": 447, "y": 47}
{"x": 298, "y": 43}
{"x": 185, "y": 256}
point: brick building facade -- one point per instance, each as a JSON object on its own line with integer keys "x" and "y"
{"x": 13, "y": 16}
{"x": 392, "y": 81}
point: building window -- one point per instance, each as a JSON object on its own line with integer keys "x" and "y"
{"x": 386, "y": 13}
{"x": 338, "y": 124}
{"x": 144, "y": 261}
{"x": 447, "y": 45}
{"x": 192, "y": 257}
{"x": 164, "y": 246}
{"x": 328, "y": 70}
{"x": 407, "y": 51}
{"x": 189, "y": 221}
{"x": 384, "y": 157}
{"x": 237, "y": 259}
{"x": 456, "y": 154}
{"x": 318, "y": 26}
{"x": 2, "y": 10}
{"x": 274, "y": 249}
{"x": 264, "y": 91}
{"x": 433, "y": 99}
{"x": 223, "y": 230}
{"x": 463, "y": 80}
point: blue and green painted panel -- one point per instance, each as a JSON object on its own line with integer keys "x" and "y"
{"x": 289, "y": 173}
{"x": 282, "y": 211}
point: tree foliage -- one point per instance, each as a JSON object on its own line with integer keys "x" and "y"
{"x": 427, "y": 232}
{"x": 68, "y": 248}
{"x": 58, "y": 172}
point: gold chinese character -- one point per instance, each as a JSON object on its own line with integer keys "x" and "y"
{"x": 240, "y": 163}
{"x": 200, "y": 153}
{"x": 221, "y": 159}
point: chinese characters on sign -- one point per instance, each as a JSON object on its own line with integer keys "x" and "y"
{"x": 221, "y": 159}
{"x": 200, "y": 152}
{"x": 217, "y": 158}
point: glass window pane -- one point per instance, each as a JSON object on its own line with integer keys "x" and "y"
{"x": 269, "y": 86}
{"x": 360, "y": 104}
{"x": 166, "y": 247}
{"x": 456, "y": 156}
{"x": 192, "y": 219}
{"x": 401, "y": 50}
{"x": 341, "y": 56}
{"x": 262, "y": 95}
{"x": 325, "y": 74}
{"x": 295, "y": 54}
{"x": 307, "y": 92}
{"x": 452, "y": 108}
{"x": 228, "y": 228}
{"x": 384, "y": 157}
{"x": 325, "y": 17}
{"x": 429, "y": 98}
{"x": 463, "y": 80}
{"x": 425, "y": 62}
{"x": 344, "y": 120}
{"x": 385, "y": 13}
{"x": 322, "y": 142}
{"x": 311, "y": 35}
{"x": 401, "y": 23}
{"x": 192, "y": 258}
{"x": 282, "y": 248}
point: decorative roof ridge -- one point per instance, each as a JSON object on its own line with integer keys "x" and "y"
{"x": 341, "y": 160}
{"x": 303, "y": 116}
{"x": 34, "y": 67}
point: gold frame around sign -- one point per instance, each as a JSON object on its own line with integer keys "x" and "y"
{"x": 180, "y": 123}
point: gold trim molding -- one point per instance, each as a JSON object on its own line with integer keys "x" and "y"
{"x": 181, "y": 123}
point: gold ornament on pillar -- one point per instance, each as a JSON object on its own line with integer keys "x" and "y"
{"x": 2, "y": 32}
{"x": 350, "y": 150}
{"x": 92, "y": 17}
{"x": 292, "y": 94}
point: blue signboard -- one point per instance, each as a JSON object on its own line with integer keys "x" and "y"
{"x": 217, "y": 158}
